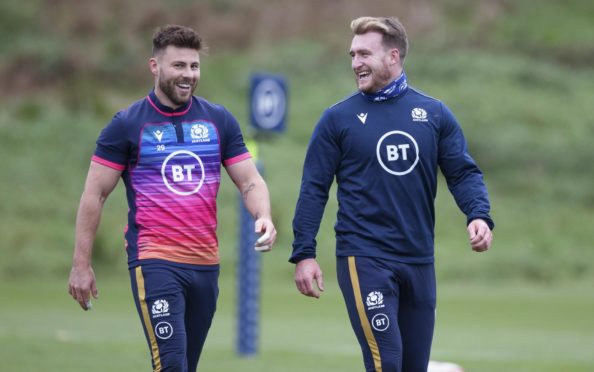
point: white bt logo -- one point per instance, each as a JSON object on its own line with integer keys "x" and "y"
{"x": 397, "y": 152}
{"x": 394, "y": 152}
{"x": 163, "y": 330}
{"x": 380, "y": 322}
{"x": 183, "y": 172}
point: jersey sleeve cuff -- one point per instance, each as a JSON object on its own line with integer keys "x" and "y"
{"x": 487, "y": 219}
{"x": 236, "y": 159}
{"x": 295, "y": 258}
{"x": 108, "y": 163}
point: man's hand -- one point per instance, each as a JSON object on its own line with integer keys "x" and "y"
{"x": 306, "y": 271}
{"x": 265, "y": 227}
{"x": 81, "y": 286}
{"x": 480, "y": 235}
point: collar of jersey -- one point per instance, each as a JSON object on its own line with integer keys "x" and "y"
{"x": 166, "y": 110}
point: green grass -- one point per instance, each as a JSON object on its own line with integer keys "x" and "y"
{"x": 513, "y": 327}
{"x": 516, "y": 328}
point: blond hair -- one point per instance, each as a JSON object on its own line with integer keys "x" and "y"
{"x": 393, "y": 32}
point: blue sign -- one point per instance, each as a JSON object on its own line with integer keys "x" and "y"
{"x": 268, "y": 102}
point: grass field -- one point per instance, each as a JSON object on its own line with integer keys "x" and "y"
{"x": 504, "y": 327}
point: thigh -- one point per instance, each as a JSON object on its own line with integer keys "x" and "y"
{"x": 160, "y": 302}
{"x": 417, "y": 315}
{"x": 201, "y": 303}
{"x": 372, "y": 301}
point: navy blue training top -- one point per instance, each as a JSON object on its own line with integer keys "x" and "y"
{"x": 385, "y": 157}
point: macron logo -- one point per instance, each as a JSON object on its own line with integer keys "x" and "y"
{"x": 158, "y": 134}
{"x": 362, "y": 117}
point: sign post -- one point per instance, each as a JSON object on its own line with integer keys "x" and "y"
{"x": 268, "y": 112}
{"x": 248, "y": 282}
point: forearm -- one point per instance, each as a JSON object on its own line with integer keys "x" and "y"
{"x": 256, "y": 198}
{"x": 472, "y": 197}
{"x": 466, "y": 184}
{"x": 87, "y": 223}
{"x": 308, "y": 216}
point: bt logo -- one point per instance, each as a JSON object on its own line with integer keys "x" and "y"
{"x": 380, "y": 322}
{"x": 183, "y": 172}
{"x": 397, "y": 152}
{"x": 394, "y": 151}
{"x": 163, "y": 330}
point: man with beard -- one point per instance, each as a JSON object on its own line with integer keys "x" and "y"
{"x": 384, "y": 145}
{"x": 168, "y": 148}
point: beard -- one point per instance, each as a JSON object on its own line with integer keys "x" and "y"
{"x": 168, "y": 87}
{"x": 379, "y": 77}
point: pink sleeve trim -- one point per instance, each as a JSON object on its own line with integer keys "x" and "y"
{"x": 237, "y": 159}
{"x": 108, "y": 163}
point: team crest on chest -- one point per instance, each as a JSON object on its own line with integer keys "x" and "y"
{"x": 199, "y": 133}
{"x": 419, "y": 114}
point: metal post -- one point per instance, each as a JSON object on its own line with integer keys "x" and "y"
{"x": 248, "y": 284}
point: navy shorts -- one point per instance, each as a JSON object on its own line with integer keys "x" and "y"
{"x": 176, "y": 306}
{"x": 391, "y": 307}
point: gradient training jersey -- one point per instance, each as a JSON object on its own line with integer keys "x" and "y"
{"x": 171, "y": 169}
{"x": 385, "y": 157}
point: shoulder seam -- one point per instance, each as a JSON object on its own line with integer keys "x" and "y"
{"x": 344, "y": 99}
{"x": 423, "y": 94}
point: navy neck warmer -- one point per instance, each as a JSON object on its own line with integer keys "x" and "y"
{"x": 394, "y": 89}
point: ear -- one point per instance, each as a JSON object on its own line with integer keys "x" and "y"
{"x": 154, "y": 66}
{"x": 394, "y": 56}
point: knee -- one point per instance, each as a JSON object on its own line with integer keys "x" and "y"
{"x": 172, "y": 362}
{"x": 391, "y": 366}
{"x": 386, "y": 366}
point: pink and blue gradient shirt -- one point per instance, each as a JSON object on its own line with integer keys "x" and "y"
{"x": 171, "y": 167}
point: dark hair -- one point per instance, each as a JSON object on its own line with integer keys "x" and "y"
{"x": 179, "y": 36}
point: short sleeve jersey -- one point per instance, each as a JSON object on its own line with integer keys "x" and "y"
{"x": 171, "y": 167}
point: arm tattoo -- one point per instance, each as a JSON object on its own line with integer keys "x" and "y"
{"x": 245, "y": 192}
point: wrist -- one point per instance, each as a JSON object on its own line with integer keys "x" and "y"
{"x": 81, "y": 262}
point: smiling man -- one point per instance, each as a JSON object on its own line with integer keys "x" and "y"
{"x": 384, "y": 145}
{"x": 168, "y": 148}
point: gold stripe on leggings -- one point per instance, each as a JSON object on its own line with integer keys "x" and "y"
{"x": 377, "y": 361}
{"x": 147, "y": 320}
